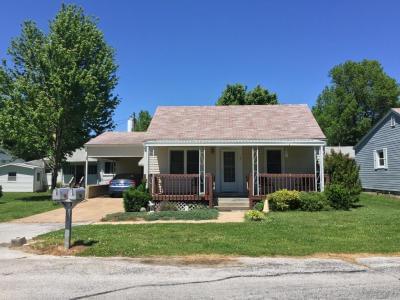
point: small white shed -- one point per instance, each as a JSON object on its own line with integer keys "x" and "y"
{"x": 21, "y": 177}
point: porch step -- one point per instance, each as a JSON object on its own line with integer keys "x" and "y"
{"x": 232, "y": 203}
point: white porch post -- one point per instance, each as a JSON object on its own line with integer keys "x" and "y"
{"x": 315, "y": 170}
{"x": 255, "y": 171}
{"x": 146, "y": 166}
{"x": 321, "y": 168}
{"x": 86, "y": 175}
{"x": 202, "y": 170}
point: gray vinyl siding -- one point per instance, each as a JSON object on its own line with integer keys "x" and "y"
{"x": 383, "y": 136}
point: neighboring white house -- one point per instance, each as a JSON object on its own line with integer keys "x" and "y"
{"x": 341, "y": 149}
{"x": 21, "y": 177}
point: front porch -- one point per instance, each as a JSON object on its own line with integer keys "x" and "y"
{"x": 204, "y": 173}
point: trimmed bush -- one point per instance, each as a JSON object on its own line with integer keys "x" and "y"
{"x": 259, "y": 206}
{"x": 168, "y": 206}
{"x": 136, "y": 198}
{"x": 313, "y": 201}
{"x": 284, "y": 200}
{"x": 339, "y": 197}
{"x": 344, "y": 171}
{"x": 254, "y": 215}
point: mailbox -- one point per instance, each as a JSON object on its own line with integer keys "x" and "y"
{"x": 60, "y": 194}
{"x": 76, "y": 194}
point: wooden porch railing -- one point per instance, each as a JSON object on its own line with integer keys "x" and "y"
{"x": 270, "y": 183}
{"x": 179, "y": 187}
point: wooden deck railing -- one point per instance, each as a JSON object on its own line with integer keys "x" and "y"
{"x": 270, "y": 183}
{"x": 175, "y": 187}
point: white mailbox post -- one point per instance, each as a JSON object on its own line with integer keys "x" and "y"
{"x": 69, "y": 198}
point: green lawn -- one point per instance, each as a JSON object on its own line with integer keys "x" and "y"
{"x": 372, "y": 228}
{"x": 19, "y": 205}
{"x": 195, "y": 214}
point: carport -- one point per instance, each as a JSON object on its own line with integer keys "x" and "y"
{"x": 117, "y": 153}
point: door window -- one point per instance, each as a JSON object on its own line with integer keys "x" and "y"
{"x": 192, "y": 162}
{"x": 229, "y": 166}
{"x": 177, "y": 162}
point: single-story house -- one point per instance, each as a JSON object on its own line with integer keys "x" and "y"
{"x": 378, "y": 155}
{"x": 200, "y": 153}
{"x": 22, "y": 177}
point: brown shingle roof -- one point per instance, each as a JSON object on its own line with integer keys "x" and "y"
{"x": 118, "y": 138}
{"x": 242, "y": 122}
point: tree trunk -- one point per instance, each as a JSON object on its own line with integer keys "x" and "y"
{"x": 54, "y": 174}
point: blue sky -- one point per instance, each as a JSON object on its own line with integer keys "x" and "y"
{"x": 185, "y": 52}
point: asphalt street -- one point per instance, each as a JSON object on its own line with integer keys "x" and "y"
{"x": 28, "y": 276}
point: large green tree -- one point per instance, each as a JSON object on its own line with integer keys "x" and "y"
{"x": 58, "y": 90}
{"x": 143, "y": 120}
{"x": 360, "y": 93}
{"x": 237, "y": 94}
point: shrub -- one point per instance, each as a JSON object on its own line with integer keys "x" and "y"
{"x": 284, "y": 200}
{"x": 136, "y": 198}
{"x": 254, "y": 215}
{"x": 339, "y": 197}
{"x": 344, "y": 171}
{"x": 313, "y": 201}
{"x": 259, "y": 206}
{"x": 168, "y": 206}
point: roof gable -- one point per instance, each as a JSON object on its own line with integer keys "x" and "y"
{"x": 241, "y": 122}
{"x": 395, "y": 110}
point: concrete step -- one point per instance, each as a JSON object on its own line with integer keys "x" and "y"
{"x": 229, "y": 204}
{"x": 232, "y": 208}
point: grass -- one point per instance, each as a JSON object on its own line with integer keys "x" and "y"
{"x": 195, "y": 214}
{"x": 371, "y": 228}
{"x": 19, "y": 205}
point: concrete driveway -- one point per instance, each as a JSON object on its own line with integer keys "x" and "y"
{"x": 88, "y": 211}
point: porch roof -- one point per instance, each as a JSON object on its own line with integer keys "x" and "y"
{"x": 234, "y": 123}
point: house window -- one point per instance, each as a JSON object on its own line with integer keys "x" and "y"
{"x": 38, "y": 177}
{"x": 12, "y": 176}
{"x": 109, "y": 167}
{"x": 68, "y": 169}
{"x": 380, "y": 159}
{"x": 184, "y": 162}
{"x": 392, "y": 122}
{"x": 177, "y": 162}
{"x": 192, "y": 162}
{"x": 274, "y": 161}
{"x": 92, "y": 169}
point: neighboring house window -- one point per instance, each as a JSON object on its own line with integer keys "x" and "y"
{"x": 12, "y": 176}
{"x": 380, "y": 159}
{"x": 392, "y": 122}
{"x": 184, "y": 162}
{"x": 68, "y": 169}
{"x": 38, "y": 177}
{"x": 109, "y": 167}
{"x": 92, "y": 170}
{"x": 177, "y": 162}
{"x": 274, "y": 161}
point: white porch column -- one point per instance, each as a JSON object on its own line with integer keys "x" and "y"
{"x": 315, "y": 170}
{"x": 202, "y": 170}
{"x": 321, "y": 168}
{"x": 146, "y": 165}
{"x": 255, "y": 171}
{"x": 86, "y": 176}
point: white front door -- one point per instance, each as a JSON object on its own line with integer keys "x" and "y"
{"x": 230, "y": 171}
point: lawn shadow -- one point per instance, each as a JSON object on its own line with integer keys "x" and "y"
{"x": 35, "y": 198}
{"x": 84, "y": 243}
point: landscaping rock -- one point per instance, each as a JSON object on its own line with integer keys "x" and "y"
{"x": 142, "y": 209}
{"x": 18, "y": 242}
{"x": 266, "y": 206}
